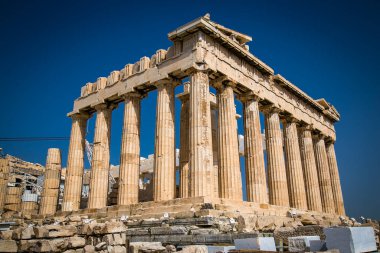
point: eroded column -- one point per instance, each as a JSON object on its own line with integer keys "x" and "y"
{"x": 313, "y": 195}
{"x": 4, "y": 175}
{"x": 75, "y": 164}
{"x": 277, "y": 182}
{"x": 335, "y": 180}
{"x": 98, "y": 191}
{"x": 229, "y": 166}
{"x": 256, "y": 183}
{"x": 201, "y": 160}
{"x": 50, "y": 192}
{"x": 164, "y": 154}
{"x": 296, "y": 185}
{"x": 324, "y": 175}
{"x": 129, "y": 171}
{"x": 215, "y": 148}
{"x": 184, "y": 144}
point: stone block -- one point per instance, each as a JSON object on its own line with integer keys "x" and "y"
{"x": 350, "y": 239}
{"x": 76, "y": 242}
{"x": 135, "y": 247}
{"x": 301, "y": 243}
{"x": 219, "y": 249}
{"x": 40, "y": 232}
{"x": 317, "y": 245}
{"x": 174, "y": 230}
{"x": 8, "y": 246}
{"x": 89, "y": 249}
{"x": 114, "y": 227}
{"x": 195, "y": 249}
{"x": 6, "y": 235}
{"x": 257, "y": 243}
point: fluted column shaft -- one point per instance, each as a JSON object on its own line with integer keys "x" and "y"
{"x": 164, "y": 154}
{"x": 324, "y": 175}
{"x": 309, "y": 166}
{"x": 184, "y": 148}
{"x": 277, "y": 182}
{"x": 201, "y": 160}
{"x": 75, "y": 164}
{"x": 296, "y": 185}
{"x": 256, "y": 183}
{"x": 129, "y": 171}
{"x": 50, "y": 192}
{"x": 335, "y": 180}
{"x": 215, "y": 149}
{"x": 100, "y": 164}
{"x": 229, "y": 166}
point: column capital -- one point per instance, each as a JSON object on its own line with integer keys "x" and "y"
{"x": 251, "y": 95}
{"x": 134, "y": 94}
{"x": 266, "y": 109}
{"x": 290, "y": 119}
{"x": 306, "y": 127}
{"x": 167, "y": 81}
{"x": 319, "y": 136}
{"x": 104, "y": 106}
{"x": 80, "y": 115}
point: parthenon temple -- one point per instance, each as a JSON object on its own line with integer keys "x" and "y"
{"x": 297, "y": 170}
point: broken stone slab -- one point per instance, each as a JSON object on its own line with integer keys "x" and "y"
{"x": 6, "y": 235}
{"x": 116, "y": 249}
{"x": 41, "y": 246}
{"x": 220, "y": 249}
{"x": 114, "y": 239}
{"x": 40, "y": 232}
{"x": 174, "y": 230}
{"x": 8, "y": 246}
{"x": 101, "y": 246}
{"x": 134, "y": 247}
{"x": 89, "y": 249}
{"x": 114, "y": 227}
{"x": 257, "y": 243}
{"x": 61, "y": 231}
{"x": 204, "y": 231}
{"x": 301, "y": 243}
{"x": 350, "y": 239}
{"x": 137, "y": 231}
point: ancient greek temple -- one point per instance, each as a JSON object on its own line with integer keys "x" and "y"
{"x": 300, "y": 170}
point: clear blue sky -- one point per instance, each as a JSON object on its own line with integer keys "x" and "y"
{"x": 49, "y": 49}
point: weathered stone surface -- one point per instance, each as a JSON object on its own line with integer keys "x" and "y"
{"x": 89, "y": 249}
{"x": 174, "y": 230}
{"x": 61, "y": 231}
{"x": 101, "y": 246}
{"x": 41, "y": 232}
{"x": 135, "y": 247}
{"x": 195, "y": 249}
{"x": 76, "y": 242}
{"x": 114, "y": 227}
{"x": 8, "y": 246}
{"x": 41, "y": 246}
{"x": 6, "y": 235}
{"x": 301, "y": 243}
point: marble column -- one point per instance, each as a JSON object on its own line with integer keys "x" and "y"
{"x": 335, "y": 180}
{"x": 256, "y": 183}
{"x": 277, "y": 182}
{"x": 201, "y": 160}
{"x": 4, "y": 176}
{"x": 99, "y": 177}
{"x": 296, "y": 185}
{"x": 215, "y": 148}
{"x": 184, "y": 144}
{"x": 129, "y": 171}
{"x": 75, "y": 164}
{"x": 50, "y": 192}
{"x": 164, "y": 185}
{"x": 229, "y": 165}
{"x": 327, "y": 198}
{"x": 309, "y": 166}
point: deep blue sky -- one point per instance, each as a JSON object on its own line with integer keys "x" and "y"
{"x": 49, "y": 49}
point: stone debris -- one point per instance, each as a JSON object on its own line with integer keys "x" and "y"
{"x": 301, "y": 243}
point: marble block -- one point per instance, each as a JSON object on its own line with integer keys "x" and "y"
{"x": 216, "y": 249}
{"x": 258, "y": 243}
{"x": 301, "y": 243}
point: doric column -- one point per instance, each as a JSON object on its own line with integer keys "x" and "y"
{"x": 335, "y": 180}
{"x": 201, "y": 162}
{"x": 129, "y": 171}
{"x": 323, "y": 175}
{"x": 75, "y": 164}
{"x": 50, "y": 192}
{"x": 296, "y": 185}
{"x": 215, "y": 148}
{"x": 164, "y": 152}
{"x": 256, "y": 183}
{"x": 98, "y": 191}
{"x": 229, "y": 166}
{"x": 184, "y": 144}
{"x": 313, "y": 195}
{"x": 277, "y": 182}
{"x": 4, "y": 175}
